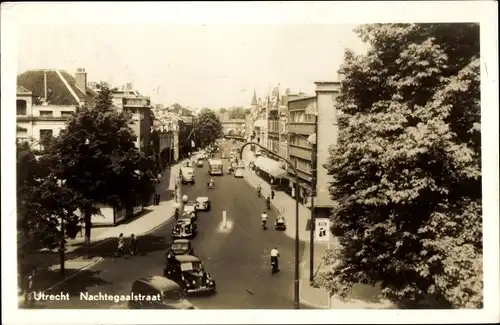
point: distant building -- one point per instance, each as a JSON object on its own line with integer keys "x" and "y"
{"x": 234, "y": 128}
{"x": 302, "y": 116}
{"x": 45, "y": 99}
{"x": 131, "y": 101}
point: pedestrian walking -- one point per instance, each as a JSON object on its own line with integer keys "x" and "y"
{"x": 133, "y": 245}
{"x": 272, "y": 194}
{"x": 121, "y": 243}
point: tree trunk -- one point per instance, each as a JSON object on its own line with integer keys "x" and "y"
{"x": 88, "y": 228}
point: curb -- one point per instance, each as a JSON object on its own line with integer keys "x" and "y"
{"x": 304, "y": 301}
{"x": 76, "y": 273}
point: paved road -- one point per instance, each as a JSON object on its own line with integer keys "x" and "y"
{"x": 238, "y": 259}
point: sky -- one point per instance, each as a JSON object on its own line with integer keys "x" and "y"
{"x": 195, "y": 65}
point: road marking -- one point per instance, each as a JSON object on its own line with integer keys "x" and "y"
{"x": 225, "y": 226}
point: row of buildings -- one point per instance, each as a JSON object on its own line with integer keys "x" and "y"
{"x": 301, "y": 128}
{"x": 46, "y": 98}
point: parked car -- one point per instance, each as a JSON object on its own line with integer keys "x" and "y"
{"x": 164, "y": 294}
{"x": 187, "y": 174}
{"x": 188, "y": 272}
{"x": 203, "y": 203}
{"x": 184, "y": 228}
{"x": 181, "y": 247}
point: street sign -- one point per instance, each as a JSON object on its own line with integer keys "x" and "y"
{"x": 322, "y": 230}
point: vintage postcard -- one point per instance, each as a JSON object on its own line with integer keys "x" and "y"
{"x": 264, "y": 162}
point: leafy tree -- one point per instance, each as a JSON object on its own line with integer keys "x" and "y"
{"x": 407, "y": 166}
{"x": 222, "y": 110}
{"x": 42, "y": 203}
{"x": 207, "y": 128}
{"x": 238, "y": 112}
{"x": 97, "y": 158}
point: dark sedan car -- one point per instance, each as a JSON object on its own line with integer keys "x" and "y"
{"x": 188, "y": 272}
{"x": 181, "y": 247}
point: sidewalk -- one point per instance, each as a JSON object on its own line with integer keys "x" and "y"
{"x": 362, "y": 296}
{"x": 153, "y": 217}
{"x": 283, "y": 203}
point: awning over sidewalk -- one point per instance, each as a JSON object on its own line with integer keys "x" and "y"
{"x": 270, "y": 166}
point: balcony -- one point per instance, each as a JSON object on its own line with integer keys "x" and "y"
{"x": 302, "y": 174}
{"x": 298, "y": 151}
{"x": 302, "y": 127}
{"x": 136, "y": 102}
{"x": 31, "y": 118}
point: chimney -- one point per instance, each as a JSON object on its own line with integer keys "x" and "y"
{"x": 81, "y": 79}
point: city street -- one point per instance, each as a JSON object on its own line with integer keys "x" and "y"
{"x": 237, "y": 258}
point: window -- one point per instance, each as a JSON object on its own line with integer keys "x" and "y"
{"x": 21, "y": 107}
{"x": 66, "y": 113}
{"x": 46, "y": 113}
{"x": 299, "y": 141}
{"x": 302, "y": 164}
{"x": 45, "y": 137}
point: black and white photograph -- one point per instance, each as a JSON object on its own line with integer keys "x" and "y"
{"x": 252, "y": 158}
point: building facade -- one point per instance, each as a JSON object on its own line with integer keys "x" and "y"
{"x": 140, "y": 108}
{"x": 234, "y": 128}
{"x": 303, "y": 114}
{"x": 44, "y": 101}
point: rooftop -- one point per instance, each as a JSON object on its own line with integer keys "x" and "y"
{"x": 60, "y": 87}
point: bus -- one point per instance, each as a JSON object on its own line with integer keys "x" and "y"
{"x": 215, "y": 167}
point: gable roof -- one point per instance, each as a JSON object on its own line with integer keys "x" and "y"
{"x": 61, "y": 89}
{"x": 22, "y": 90}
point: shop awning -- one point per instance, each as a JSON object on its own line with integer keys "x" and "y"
{"x": 270, "y": 166}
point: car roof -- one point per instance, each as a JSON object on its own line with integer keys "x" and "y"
{"x": 181, "y": 241}
{"x": 159, "y": 282}
{"x": 202, "y": 198}
{"x": 187, "y": 258}
{"x": 184, "y": 219}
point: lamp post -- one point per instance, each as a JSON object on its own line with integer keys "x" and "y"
{"x": 297, "y": 242}
{"x": 312, "y": 139}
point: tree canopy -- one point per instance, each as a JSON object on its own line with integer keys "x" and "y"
{"x": 208, "y": 128}
{"x": 94, "y": 160}
{"x": 238, "y": 112}
{"x": 407, "y": 166}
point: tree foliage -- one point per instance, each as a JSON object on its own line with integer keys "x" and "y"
{"x": 43, "y": 203}
{"x": 407, "y": 166}
{"x": 238, "y": 113}
{"x": 208, "y": 128}
{"x": 96, "y": 158}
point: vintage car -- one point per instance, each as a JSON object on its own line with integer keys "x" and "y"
{"x": 280, "y": 223}
{"x": 181, "y": 247}
{"x": 203, "y": 203}
{"x": 199, "y": 163}
{"x": 171, "y": 293}
{"x": 188, "y": 272}
{"x": 238, "y": 172}
{"x": 184, "y": 228}
{"x": 190, "y": 208}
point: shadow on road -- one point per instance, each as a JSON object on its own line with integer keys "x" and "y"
{"x": 86, "y": 279}
{"x": 108, "y": 247}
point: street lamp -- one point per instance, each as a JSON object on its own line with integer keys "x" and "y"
{"x": 312, "y": 139}
{"x": 297, "y": 242}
